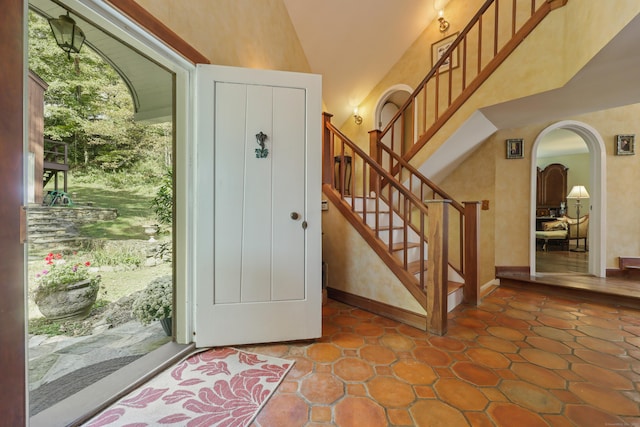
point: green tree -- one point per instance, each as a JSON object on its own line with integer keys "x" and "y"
{"x": 88, "y": 105}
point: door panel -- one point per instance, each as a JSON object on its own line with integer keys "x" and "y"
{"x": 258, "y": 270}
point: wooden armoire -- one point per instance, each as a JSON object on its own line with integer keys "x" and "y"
{"x": 551, "y": 189}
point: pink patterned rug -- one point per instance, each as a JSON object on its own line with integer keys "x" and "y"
{"x": 216, "y": 387}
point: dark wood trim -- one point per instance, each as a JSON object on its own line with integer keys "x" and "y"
{"x": 569, "y": 289}
{"x": 628, "y": 262}
{"x": 379, "y": 248}
{"x": 13, "y": 359}
{"x": 512, "y": 269}
{"x": 80, "y": 407}
{"x": 401, "y": 315}
{"x": 152, "y": 24}
{"x": 627, "y": 273}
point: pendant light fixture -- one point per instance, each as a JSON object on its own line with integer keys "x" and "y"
{"x": 68, "y": 35}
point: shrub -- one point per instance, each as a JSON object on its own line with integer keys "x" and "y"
{"x": 163, "y": 201}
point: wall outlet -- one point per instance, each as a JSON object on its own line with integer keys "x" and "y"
{"x": 325, "y": 205}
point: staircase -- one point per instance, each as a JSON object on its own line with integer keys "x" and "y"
{"x": 422, "y": 234}
{"x": 405, "y": 244}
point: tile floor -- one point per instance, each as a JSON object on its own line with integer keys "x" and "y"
{"x": 520, "y": 359}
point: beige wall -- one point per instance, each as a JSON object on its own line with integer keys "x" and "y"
{"x": 510, "y": 195}
{"x": 242, "y": 33}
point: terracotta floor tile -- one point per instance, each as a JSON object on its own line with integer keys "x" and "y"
{"x": 462, "y": 333}
{"x": 301, "y": 367}
{"x": 399, "y": 417}
{"x": 566, "y": 396}
{"x": 433, "y": 413}
{"x": 586, "y": 416}
{"x": 397, "y": 342}
{"x": 356, "y": 390}
{"x": 476, "y": 374}
{"x": 284, "y": 410}
{"x": 432, "y": 356}
{"x": 289, "y": 387}
{"x": 554, "y": 322}
{"x": 488, "y": 358}
{"x": 479, "y": 419}
{"x": 352, "y": 369}
{"x": 377, "y": 354}
{"x": 324, "y": 368}
{"x": 323, "y": 352}
{"x": 493, "y": 394}
{"x": 322, "y": 388}
{"x": 368, "y": 330}
{"x": 604, "y": 333}
{"x": 538, "y": 375}
{"x": 602, "y": 377}
{"x": 414, "y": 372}
{"x": 510, "y": 415}
{"x": 549, "y": 345}
{"x": 558, "y": 421}
{"x": 519, "y": 314}
{"x": 347, "y": 340}
{"x": 544, "y": 358}
{"x": 604, "y": 346}
{"x": 447, "y": 344}
{"x": 506, "y": 333}
{"x": 321, "y": 414}
{"x": 531, "y": 396}
{"x": 358, "y": 412}
{"x": 605, "y": 399}
{"x": 424, "y": 392}
{"x": 559, "y": 314}
{"x": 461, "y": 395}
{"x": 554, "y": 334}
{"x": 390, "y": 392}
{"x": 369, "y": 370}
{"x": 603, "y": 360}
{"x": 497, "y": 344}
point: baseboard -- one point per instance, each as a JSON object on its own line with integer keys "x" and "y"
{"x": 623, "y": 273}
{"x": 381, "y": 309}
{"x": 526, "y": 270}
{"x": 489, "y": 287}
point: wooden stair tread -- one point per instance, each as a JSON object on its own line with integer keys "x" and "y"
{"x": 401, "y": 246}
{"x": 414, "y": 266}
{"x": 386, "y": 227}
{"x": 453, "y": 286}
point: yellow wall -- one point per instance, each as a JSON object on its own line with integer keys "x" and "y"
{"x": 242, "y": 33}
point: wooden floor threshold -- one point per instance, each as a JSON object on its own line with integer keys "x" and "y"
{"x": 613, "y": 291}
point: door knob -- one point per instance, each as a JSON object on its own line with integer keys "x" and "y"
{"x": 295, "y": 215}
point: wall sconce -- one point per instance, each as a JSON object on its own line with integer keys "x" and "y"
{"x": 356, "y": 117}
{"x": 68, "y": 35}
{"x": 444, "y": 24}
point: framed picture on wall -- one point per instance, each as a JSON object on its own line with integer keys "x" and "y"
{"x": 625, "y": 145}
{"x": 439, "y": 48}
{"x": 515, "y": 148}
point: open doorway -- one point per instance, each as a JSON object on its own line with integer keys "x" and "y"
{"x": 567, "y": 217}
{"x": 116, "y": 208}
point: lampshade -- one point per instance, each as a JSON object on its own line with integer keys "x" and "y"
{"x": 578, "y": 192}
{"x": 68, "y": 35}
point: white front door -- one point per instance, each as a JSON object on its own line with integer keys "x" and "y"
{"x": 258, "y": 225}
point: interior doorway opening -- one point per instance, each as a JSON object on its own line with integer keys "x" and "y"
{"x": 571, "y": 155}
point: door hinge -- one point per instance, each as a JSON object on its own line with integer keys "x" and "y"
{"x": 304, "y": 225}
{"x": 23, "y": 224}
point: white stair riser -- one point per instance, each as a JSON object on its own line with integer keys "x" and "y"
{"x": 413, "y": 254}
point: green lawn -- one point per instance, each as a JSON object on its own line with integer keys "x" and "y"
{"x": 133, "y": 205}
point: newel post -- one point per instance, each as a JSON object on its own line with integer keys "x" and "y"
{"x": 375, "y": 153}
{"x": 471, "y": 252}
{"x": 437, "y": 266}
{"x": 327, "y": 150}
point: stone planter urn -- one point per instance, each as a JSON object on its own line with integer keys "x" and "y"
{"x": 73, "y": 302}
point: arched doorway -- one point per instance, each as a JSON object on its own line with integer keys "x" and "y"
{"x": 386, "y": 108}
{"x": 596, "y": 176}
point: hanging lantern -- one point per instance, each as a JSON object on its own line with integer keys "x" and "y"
{"x": 68, "y": 35}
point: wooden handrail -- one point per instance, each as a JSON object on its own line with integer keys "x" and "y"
{"x": 435, "y": 110}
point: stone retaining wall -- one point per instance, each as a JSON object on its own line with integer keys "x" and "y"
{"x": 56, "y": 227}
